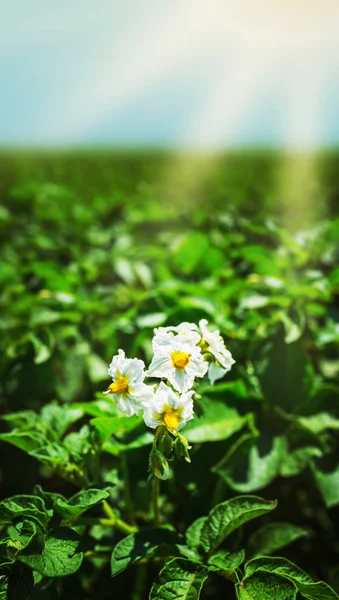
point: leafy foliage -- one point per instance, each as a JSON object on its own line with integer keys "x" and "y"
{"x": 93, "y": 263}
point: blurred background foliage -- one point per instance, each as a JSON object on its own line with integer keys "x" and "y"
{"x": 99, "y": 248}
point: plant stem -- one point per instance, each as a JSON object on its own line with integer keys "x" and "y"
{"x": 140, "y": 582}
{"x": 155, "y": 500}
{"x": 127, "y": 491}
{"x": 111, "y": 521}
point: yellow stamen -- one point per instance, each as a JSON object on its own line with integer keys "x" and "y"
{"x": 119, "y": 386}
{"x": 171, "y": 420}
{"x": 180, "y": 359}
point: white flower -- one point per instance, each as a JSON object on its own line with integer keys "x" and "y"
{"x": 128, "y": 389}
{"x": 187, "y": 332}
{"x": 215, "y": 345}
{"x": 167, "y": 408}
{"x": 176, "y": 360}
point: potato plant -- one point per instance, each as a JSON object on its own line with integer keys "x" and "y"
{"x": 219, "y": 405}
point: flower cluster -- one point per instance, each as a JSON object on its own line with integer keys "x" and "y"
{"x": 181, "y": 354}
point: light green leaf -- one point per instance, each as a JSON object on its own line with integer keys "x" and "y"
{"x": 59, "y": 557}
{"x": 228, "y": 516}
{"x": 24, "y": 419}
{"x": 28, "y": 441}
{"x": 59, "y": 418}
{"x": 180, "y": 579}
{"x": 272, "y": 537}
{"x": 296, "y": 461}
{"x": 218, "y": 423}
{"x": 97, "y": 368}
{"x": 117, "y": 426}
{"x": 136, "y": 546}
{"x": 151, "y": 320}
{"x": 319, "y": 422}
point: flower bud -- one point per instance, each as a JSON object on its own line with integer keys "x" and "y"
{"x": 158, "y": 465}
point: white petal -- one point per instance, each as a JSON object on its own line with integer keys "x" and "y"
{"x": 123, "y": 403}
{"x": 215, "y": 372}
{"x": 160, "y": 366}
{"x": 141, "y": 393}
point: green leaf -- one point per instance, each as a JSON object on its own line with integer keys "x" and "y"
{"x": 296, "y": 461}
{"x": 190, "y": 251}
{"x": 287, "y": 379}
{"x": 326, "y": 475}
{"x": 53, "y": 454}
{"x": 266, "y": 586}
{"x": 59, "y": 557}
{"x": 228, "y": 516}
{"x": 218, "y": 423}
{"x": 41, "y": 350}
{"x": 78, "y": 504}
{"x": 138, "y": 545}
{"x": 193, "y": 533}
{"x": 25, "y": 440}
{"x": 23, "y": 506}
{"x": 26, "y": 536}
{"x": 18, "y": 584}
{"x": 272, "y": 537}
{"x": 24, "y": 419}
{"x": 180, "y": 579}
{"x": 117, "y": 426}
{"x": 59, "y": 418}
{"x": 285, "y": 568}
{"x": 319, "y": 422}
{"x": 227, "y": 561}
{"x": 253, "y": 464}
{"x": 97, "y": 368}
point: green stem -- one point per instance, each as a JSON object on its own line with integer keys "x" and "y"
{"x": 140, "y": 582}
{"x": 155, "y": 500}
{"x": 127, "y": 490}
{"x": 115, "y": 521}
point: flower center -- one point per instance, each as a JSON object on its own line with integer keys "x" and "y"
{"x": 119, "y": 386}
{"x": 171, "y": 420}
{"x": 180, "y": 359}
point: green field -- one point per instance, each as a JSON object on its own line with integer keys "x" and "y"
{"x": 99, "y": 248}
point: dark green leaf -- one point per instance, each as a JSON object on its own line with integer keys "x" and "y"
{"x": 266, "y": 586}
{"x": 18, "y": 584}
{"x": 59, "y": 557}
{"x": 78, "y": 504}
{"x": 228, "y": 516}
{"x": 285, "y": 568}
{"x": 180, "y": 579}
{"x": 138, "y": 545}
{"x": 23, "y": 506}
{"x": 227, "y": 561}
{"x": 253, "y": 464}
{"x": 272, "y": 537}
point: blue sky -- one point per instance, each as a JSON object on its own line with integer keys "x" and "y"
{"x": 160, "y": 73}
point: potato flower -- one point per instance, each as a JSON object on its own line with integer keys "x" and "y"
{"x": 187, "y": 332}
{"x": 128, "y": 390}
{"x": 169, "y": 409}
{"x": 176, "y": 360}
{"x": 213, "y": 343}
